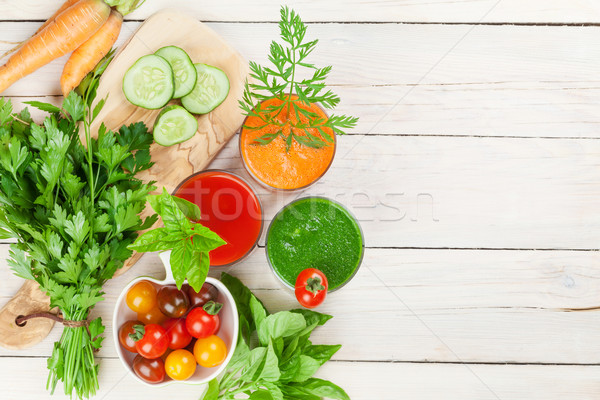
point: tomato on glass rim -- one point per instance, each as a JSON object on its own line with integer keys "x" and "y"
{"x": 151, "y": 341}
{"x": 311, "y": 288}
{"x": 178, "y": 335}
{"x": 204, "y": 322}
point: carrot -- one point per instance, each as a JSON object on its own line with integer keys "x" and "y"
{"x": 62, "y": 8}
{"x": 70, "y": 29}
{"x": 89, "y": 54}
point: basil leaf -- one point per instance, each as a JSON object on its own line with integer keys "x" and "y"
{"x": 322, "y": 352}
{"x": 312, "y": 317}
{"x": 189, "y": 209}
{"x": 180, "y": 260}
{"x": 212, "y": 393}
{"x": 258, "y": 311}
{"x": 273, "y": 390}
{"x": 295, "y": 393}
{"x": 198, "y": 268}
{"x": 255, "y": 361}
{"x": 308, "y": 367}
{"x": 270, "y": 372}
{"x": 321, "y": 388}
{"x": 282, "y": 324}
{"x": 261, "y": 394}
{"x": 153, "y": 240}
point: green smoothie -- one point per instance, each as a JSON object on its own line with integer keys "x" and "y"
{"x": 315, "y": 232}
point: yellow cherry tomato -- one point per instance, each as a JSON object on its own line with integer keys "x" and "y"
{"x": 154, "y": 316}
{"x": 180, "y": 365}
{"x": 210, "y": 351}
{"x": 141, "y": 298}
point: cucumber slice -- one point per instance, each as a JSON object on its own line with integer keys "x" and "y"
{"x": 183, "y": 69}
{"x": 174, "y": 125}
{"x": 149, "y": 83}
{"x": 212, "y": 88}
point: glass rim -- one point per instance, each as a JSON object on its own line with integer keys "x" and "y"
{"x": 260, "y": 206}
{"x": 343, "y": 207}
{"x": 273, "y": 188}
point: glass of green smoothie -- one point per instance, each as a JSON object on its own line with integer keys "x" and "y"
{"x": 315, "y": 232}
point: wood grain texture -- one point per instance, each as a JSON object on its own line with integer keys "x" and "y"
{"x": 28, "y": 299}
{"x": 490, "y": 11}
{"x": 362, "y": 381}
{"x": 433, "y": 80}
{"x": 459, "y": 192}
{"x": 428, "y": 306}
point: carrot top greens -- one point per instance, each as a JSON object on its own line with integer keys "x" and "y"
{"x": 282, "y": 81}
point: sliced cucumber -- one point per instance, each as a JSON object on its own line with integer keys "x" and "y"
{"x": 183, "y": 69}
{"x": 174, "y": 125}
{"x": 149, "y": 82}
{"x": 212, "y": 88}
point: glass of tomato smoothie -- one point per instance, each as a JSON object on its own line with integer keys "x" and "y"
{"x": 230, "y": 208}
{"x": 278, "y": 165}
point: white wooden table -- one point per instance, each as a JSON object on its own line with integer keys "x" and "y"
{"x": 475, "y": 172}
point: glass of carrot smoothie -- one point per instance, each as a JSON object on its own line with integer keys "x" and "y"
{"x": 283, "y": 165}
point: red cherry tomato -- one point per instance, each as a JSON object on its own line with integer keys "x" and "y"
{"x": 151, "y": 371}
{"x": 151, "y": 341}
{"x": 204, "y": 322}
{"x": 172, "y": 302}
{"x": 124, "y": 331}
{"x": 311, "y": 287}
{"x": 207, "y": 293}
{"x": 177, "y": 333}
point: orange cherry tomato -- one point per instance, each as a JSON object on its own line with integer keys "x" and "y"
{"x": 180, "y": 365}
{"x": 124, "y": 331}
{"x": 154, "y": 316}
{"x": 141, "y": 298}
{"x": 210, "y": 351}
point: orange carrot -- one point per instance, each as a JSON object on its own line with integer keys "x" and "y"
{"x": 62, "y": 8}
{"x": 89, "y": 54}
{"x": 69, "y": 30}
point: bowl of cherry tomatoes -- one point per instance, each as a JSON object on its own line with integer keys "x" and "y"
{"x": 167, "y": 335}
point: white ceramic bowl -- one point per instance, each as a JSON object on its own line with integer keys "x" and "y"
{"x": 228, "y": 331}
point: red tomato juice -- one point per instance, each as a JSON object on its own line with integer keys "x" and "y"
{"x": 229, "y": 208}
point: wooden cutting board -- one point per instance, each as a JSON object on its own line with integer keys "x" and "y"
{"x": 172, "y": 164}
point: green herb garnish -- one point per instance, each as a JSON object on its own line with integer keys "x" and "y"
{"x": 188, "y": 240}
{"x": 296, "y": 95}
{"x": 281, "y": 364}
{"x": 73, "y": 209}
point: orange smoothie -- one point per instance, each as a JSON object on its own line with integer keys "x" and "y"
{"x": 272, "y": 165}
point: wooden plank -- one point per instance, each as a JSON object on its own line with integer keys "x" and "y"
{"x": 490, "y": 11}
{"x": 362, "y": 381}
{"x": 424, "y": 85}
{"x": 426, "y": 305}
{"x": 440, "y": 192}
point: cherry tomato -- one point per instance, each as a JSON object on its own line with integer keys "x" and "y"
{"x": 124, "y": 331}
{"x": 207, "y": 293}
{"x": 172, "y": 302}
{"x": 154, "y": 316}
{"x": 151, "y": 371}
{"x": 204, "y": 322}
{"x": 180, "y": 365}
{"x": 151, "y": 341}
{"x": 311, "y": 287}
{"x": 177, "y": 333}
{"x": 141, "y": 298}
{"x": 210, "y": 351}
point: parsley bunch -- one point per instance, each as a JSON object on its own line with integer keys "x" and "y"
{"x": 295, "y": 95}
{"x": 73, "y": 209}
